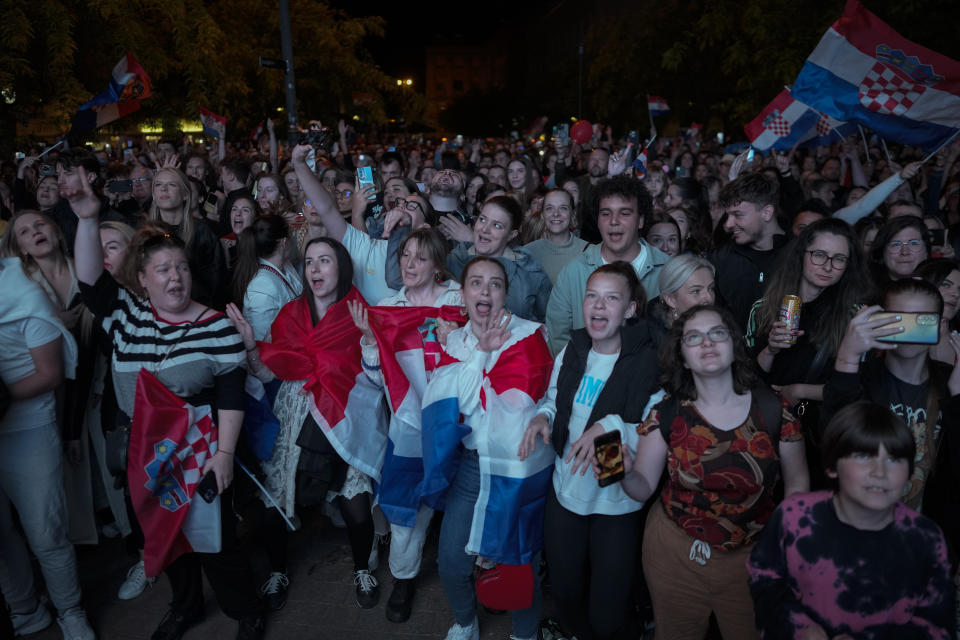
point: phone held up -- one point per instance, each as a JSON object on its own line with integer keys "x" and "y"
{"x": 918, "y": 327}
{"x": 609, "y": 451}
{"x": 365, "y": 179}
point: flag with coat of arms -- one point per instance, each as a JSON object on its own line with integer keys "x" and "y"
{"x": 409, "y": 353}
{"x": 486, "y": 400}
{"x": 214, "y": 125}
{"x": 786, "y": 122}
{"x": 170, "y": 441}
{"x": 129, "y": 84}
{"x": 865, "y": 72}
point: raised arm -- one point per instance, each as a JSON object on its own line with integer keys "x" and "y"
{"x": 317, "y": 194}
{"x": 88, "y": 254}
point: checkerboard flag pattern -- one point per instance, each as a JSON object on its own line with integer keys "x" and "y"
{"x": 170, "y": 441}
{"x": 864, "y": 72}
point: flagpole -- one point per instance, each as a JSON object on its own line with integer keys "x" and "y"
{"x": 653, "y": 129}
{"x": 270, "y": 498}
{"x": 886, "y": 151}
{"x": 866, "y": 149}
{"x": 945, "y": 143}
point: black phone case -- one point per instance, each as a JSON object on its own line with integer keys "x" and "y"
{"x": 207, "y": 489}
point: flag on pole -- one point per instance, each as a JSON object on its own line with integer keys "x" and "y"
{"x": 657, "y": 106}
{"x": 345, "y": 403}
{"x": 129, "y": 84}
{"x": 170, "y": 441}
{"x": 409, "y": 353}
{"x": 786, "y": 121}
{"x": 213, "y": 125}
{"x": 694, "y": 129}
{"x": 507, "y": 525}
{"x": 863, "y": 71}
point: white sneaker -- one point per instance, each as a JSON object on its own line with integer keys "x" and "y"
{"x": 470, "y": 632}
{"x": 37, "y": 620}
{"x": 135, "y": 583}
{"x": 73, "y": 623}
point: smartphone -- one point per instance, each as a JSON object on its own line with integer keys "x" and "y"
{"x": 918, "y": 328}
{"x": 391, "y": 149}
{"x": 609, "y": 452}
{"x": 720, "y": 137}
{"x": 633, "y": 137}
{"x": 421, "y": 187}
{"x": 263, "y": 167}
{"x": 210, "y": 203}
{"x": 365, "y": 179}
{"x": 127, "y": 155}
{"x": 20, "y": 155}
{"x": 120, "y": 186}
{"x": 207, "y": 489}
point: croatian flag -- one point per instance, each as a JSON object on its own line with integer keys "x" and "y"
{"x": 640, "y": 164}
{"x": 129, "y": 84}
{"x": 657, "y": 106}
{"x": 409, "y": 353}
{"x": 864, "y": 71}
{"x": 213, "y": 125}
{"x": 345, "y": 403}
{"x": 170, "y": 441}
{"x": 694, "y": 129}
{"x": 496, "y": 396}
{"x": 786, "y": 121}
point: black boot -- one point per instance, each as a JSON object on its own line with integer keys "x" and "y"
{"x": 400, "y": 603}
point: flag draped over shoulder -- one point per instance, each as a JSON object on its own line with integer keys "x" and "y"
{"x": 409, "y": 352}
{"x": 786, "y": 122}
{"x": 129, "y": 84}
{"x": 346, "y": 405}
{"x": 507, "y": 525}
{"x": 863, "y": 71}
{"x": 170, "y": 441}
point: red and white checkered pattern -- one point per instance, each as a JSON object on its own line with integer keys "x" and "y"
{"x": 823, "y": 126}
{"x": 201, "y": 438}
{"x": 885, "y": 91}
{"x": 779, "y": 126}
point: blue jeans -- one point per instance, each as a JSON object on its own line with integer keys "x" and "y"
{"x": 31, "y": 481}
{"x": 456, "y": 566}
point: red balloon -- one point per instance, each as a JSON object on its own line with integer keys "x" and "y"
{"x": 581, "y": 132}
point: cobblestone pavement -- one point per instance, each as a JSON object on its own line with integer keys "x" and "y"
{"x": 321, "y": 602}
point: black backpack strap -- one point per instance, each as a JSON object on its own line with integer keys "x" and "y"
{"x": 669, "y": 407}
{"x": 771, "y": 410}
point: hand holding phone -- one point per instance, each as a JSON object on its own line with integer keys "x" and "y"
{"x": 207, "y": 489}
{"x": 609, "y": 451}
{"x": 365, "y": 179}
{"x": 918, "y": 327}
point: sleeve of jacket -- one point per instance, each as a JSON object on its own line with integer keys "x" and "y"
{"x": 559, "y": 313}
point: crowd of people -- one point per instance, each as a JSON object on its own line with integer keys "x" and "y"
{"x": 449, "y": 346}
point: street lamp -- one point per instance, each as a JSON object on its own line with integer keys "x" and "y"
{"x": 409, "y": 82}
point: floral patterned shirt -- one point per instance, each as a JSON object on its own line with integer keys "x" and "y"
{"x": 720, "y": 485}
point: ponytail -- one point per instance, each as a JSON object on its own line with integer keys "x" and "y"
{"x": 259, "y": 240}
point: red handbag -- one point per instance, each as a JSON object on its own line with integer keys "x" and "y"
{"x": 506, "y": 587}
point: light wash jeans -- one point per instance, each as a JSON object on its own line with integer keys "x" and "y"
{"x": 456, "y": 567}
{"x": 31, "y": 481}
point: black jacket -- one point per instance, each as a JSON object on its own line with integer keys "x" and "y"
{"x": 627, "y": 390}
{"x": 742, "y": 275}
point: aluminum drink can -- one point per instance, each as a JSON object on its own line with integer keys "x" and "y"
{"x": 790, "y": 314}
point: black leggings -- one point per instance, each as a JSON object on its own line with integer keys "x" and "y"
{"x": 356, "y": 513}
{"x": 591, "y": 561}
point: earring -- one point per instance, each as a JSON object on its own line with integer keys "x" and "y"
{"x": 676, "y": 314}
{"x": 463, "y": 312}
{"x": 438, "y": 277}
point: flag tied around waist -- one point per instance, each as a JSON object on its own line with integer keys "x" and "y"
{"x": 170, "y": 441}
{"x": 409, "y": 353}
{"x": 346, "y": 405}
{"x": 129, "y": 84}
{"x": 213, "y": 124}
{"x": 507, "y": 525}
{"x": 863, "y": 71}
{"x": 786, "y": 122}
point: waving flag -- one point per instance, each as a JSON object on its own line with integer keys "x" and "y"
{"x": 129, "y": 84}
{"x": 864, "y": 71}
{"x": 507, "y": 525}
{"x": 170, "y": 441}
{"x": 213, "y": 125}
{"x": 409, "y": 352}
{"x": 786, "y": 121}
{"x": 640, "y": 164}
{"x": 346, "y": 405}
{"x": 657, "y": 106}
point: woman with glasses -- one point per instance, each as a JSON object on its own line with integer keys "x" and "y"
{"x": 725, "y": 439}
{"x": 825, "y": 269}
{"x": 898, "y": 249}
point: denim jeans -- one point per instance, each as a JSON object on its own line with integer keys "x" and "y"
{"x": 456, "y": 566}
{"x": 31, "y": 481}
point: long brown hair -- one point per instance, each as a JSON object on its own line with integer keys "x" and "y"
{"x": 676, "y": 378}
{"x": 10, "y": 246}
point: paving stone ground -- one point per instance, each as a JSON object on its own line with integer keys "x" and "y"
{"x": 321, "y": 603}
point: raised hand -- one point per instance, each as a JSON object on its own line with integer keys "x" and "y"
{"x": 360, "y": 318}
{"x": 617, "y": 163}
{"x": 452, "y": 229}
{"x": 243, "y": 327}
{"x": 582, "y": 452}
{"x": 911, "y": 170}
{"x": 492, "y": 331}
{"x": 83, "y": 201}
